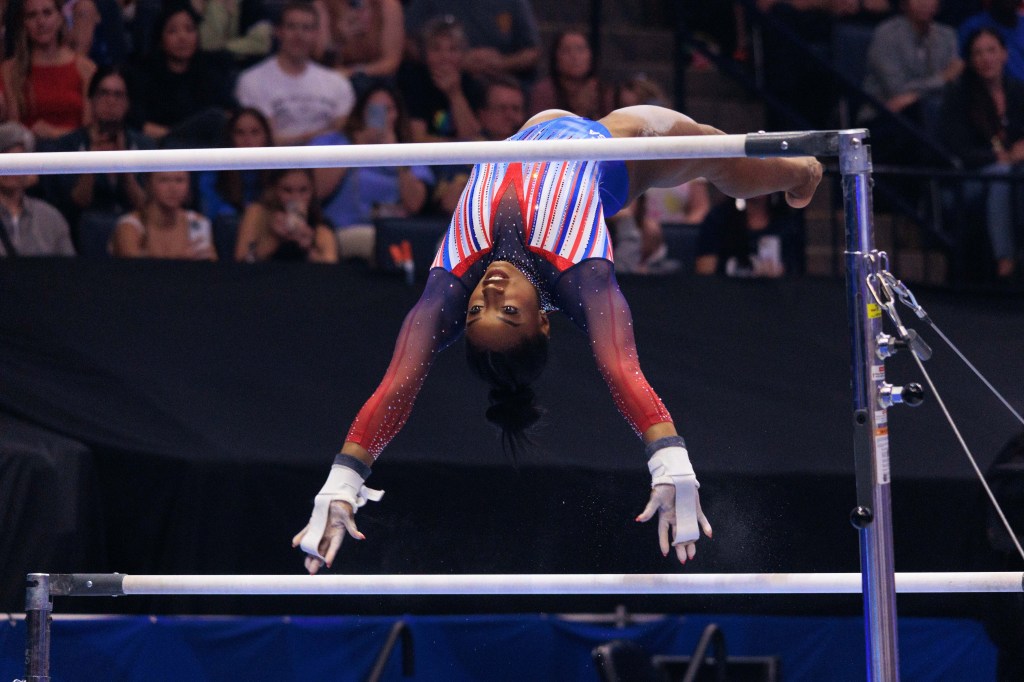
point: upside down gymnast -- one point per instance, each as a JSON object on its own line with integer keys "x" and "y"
{"x": 528, "y": 239}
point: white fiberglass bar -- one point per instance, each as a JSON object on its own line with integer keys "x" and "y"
{"x": 612, "y": 584}
{"x": 426, "y": 153}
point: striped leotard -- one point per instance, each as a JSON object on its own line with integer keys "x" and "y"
{"x": 547, "y": 219}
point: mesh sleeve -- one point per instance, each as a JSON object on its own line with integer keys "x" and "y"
{"x": 589, "y": 295}
{"x": 432, "y": 325}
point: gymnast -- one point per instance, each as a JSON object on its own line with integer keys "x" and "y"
{"x": 528, "y": 239}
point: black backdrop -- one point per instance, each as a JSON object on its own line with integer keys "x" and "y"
{"x": 178, "y": 417}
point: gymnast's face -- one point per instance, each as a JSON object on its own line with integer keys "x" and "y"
{"x": 504, "y": 309}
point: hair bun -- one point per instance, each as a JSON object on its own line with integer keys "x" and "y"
{"x": 513, "y": 409}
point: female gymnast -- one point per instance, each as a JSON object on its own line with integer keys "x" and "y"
{"x": 527, "y": 239}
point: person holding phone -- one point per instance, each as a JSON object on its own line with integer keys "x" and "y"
{"x": 354, "y": 197}
{"x": 285, "y": 224}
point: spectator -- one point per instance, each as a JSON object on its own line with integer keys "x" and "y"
{"x": 96, "y": 30}
{"x": 238, "y": 27}
{"x": 28, "y": 227}
{"x": 1003, "y": 16}
{"x": 572, "y": 83}
{"x": 503, "y": 35}
{"x": 639, "y": 228}
{"x": 503, "y": 111}
{"x": 300, "y": 98}
{"x": 109, "y": 194}
{"x": 910, "y": 59}
{"x": 163, "y": 227}
{"x": 228, "y": 192}
{"x": 982, "y": 123}
{"x": 285, "y": 224}
{"x": 639, "y": 233}
{"x": 501, "y": 116}
{"x": 788, "y": 67}
{"x": 353, "y": 197}
{"x": 179, "y": 93}
{"x": 639, "y": 89}
{"x": 363, "y": 39}
{"x": 440, "y": 94}
{"x": 45, "y": 81}
{"x": 758, "y": 237}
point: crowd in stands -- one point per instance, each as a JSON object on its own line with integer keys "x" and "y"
{"x": 108, "y": 75}
{"x": 941, "y": 80}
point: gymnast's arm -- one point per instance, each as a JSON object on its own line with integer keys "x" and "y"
{"x": 433, "y": 324}
{"x": 743, "y": 178}
{"x": 590, "y": 297}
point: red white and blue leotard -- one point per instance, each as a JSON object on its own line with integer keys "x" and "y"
{"x": 562, "y": 203}
{"x": 546, "y": 218}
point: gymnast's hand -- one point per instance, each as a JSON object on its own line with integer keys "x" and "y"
{"x": 808, "y": 175}
{"x": 663, "y": 501}
{"x": 340, "y": 520}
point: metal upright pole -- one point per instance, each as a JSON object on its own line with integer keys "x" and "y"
{"x": 871, "y": 441}
{"x": 38, "y": 607}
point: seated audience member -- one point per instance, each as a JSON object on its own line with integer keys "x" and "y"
{"x": 353, "y": 197}
{"x": 638, "y": 233}
{"x": 228, "y": 192}
{"x": 982, "y": 122}
{"x": 788, "y": 69}
{"x": 639, "y": 230}
{"x": 910, "y": 59}
{"x": 285, "y": 224}
{"x": 113, "y": 194}
{"x": 163, "y": 227}
{"x": 639, "y": 89}
{"x": 28, "y": 226}
{"x": 757, "y": 237}
{"x": 501, "y": 115}
{"x": 572, "y": 83}
{"x": 503, "y": 111}
{"x": 238, "y": 27}
{"x": 502, "y": 34}
{"x": 299, "y": 97}
{"x": 179, "y": 93}
{"x": 440, "y": 94}
{"x": 45, "y": 81}
{"x": 363, "y": 39}
{"x": 1002, "y": 16}
{"x": 96, "y": 29}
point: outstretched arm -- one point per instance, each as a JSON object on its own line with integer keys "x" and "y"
{"x": 590, "y": 296}
{"x": 432, "y": 325}
{"x": 740, "y": 177}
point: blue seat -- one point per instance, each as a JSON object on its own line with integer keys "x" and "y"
{"x": 94, "y": 231}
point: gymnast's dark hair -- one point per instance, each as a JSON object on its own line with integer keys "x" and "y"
{"x": 510, "y": 373}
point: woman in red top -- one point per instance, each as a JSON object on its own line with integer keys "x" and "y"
{"x": 45, "y": 81}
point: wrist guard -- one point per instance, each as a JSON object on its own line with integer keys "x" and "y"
{"x": 669, "y": 464}
{"x": 345, "y": 482}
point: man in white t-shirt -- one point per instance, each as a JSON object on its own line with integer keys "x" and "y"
{"x": 301, "y": 98}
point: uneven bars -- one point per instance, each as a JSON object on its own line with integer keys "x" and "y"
{"x": 115, "y": 584}
{"x": 814, "y": 143}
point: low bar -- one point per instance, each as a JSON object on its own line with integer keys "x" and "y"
{"x": 541, "y": 584}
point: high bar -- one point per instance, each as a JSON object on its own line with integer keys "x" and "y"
{"x": 798, "y": 143}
